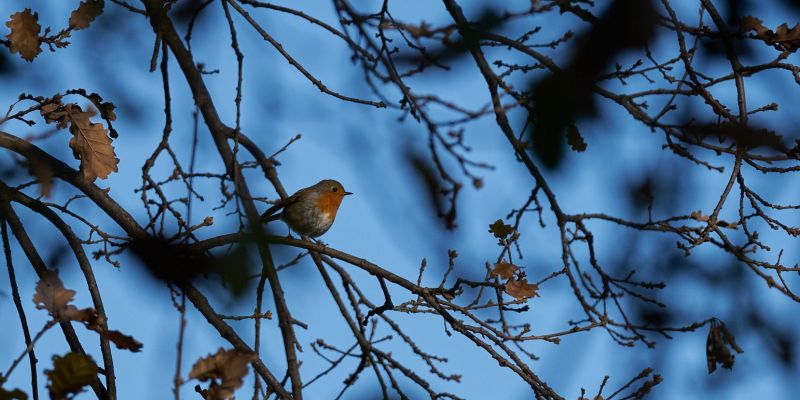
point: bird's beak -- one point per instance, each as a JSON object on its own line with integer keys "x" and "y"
{"x": 347, "y": 193}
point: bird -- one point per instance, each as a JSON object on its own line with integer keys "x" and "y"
{"x": 310, "y": 211}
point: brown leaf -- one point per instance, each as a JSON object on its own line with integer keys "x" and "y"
{"x": 500, "y": 230}
{"x": 752, "y": 23}
{"x": 521, "y": 289}
{"x": 788, "y": 39}
{"x": 575, "y": 140}
{"x": 123, "y": 341}
{"x": 73, "y": 313}
{"x": 784, "y": 38}
{"x": 106, "y": 108}
{"x": 24, "y": 34}
{"x": 107, "y": 111}
{"x": 54, "y": 112}
{"x": 227, "y": 366}
{"x": 52, "y": 296}
{"x": 717, "y": 343}
{"x": 86, "y": 12}
{"x": 70, "y": 374}
{"x": 504, "y": 270}
{"x": 697, "y": 215}
{"x": 44, "y": 174}
{"x": 15, "y": 394}
{"x": 91, "y": 144}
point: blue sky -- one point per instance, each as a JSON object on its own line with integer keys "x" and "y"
{"x": 387, "y": 221}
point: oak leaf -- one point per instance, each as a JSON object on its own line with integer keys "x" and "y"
{"x": 717, "y": 343}
{"x": 55, "y": 298}
{"x": 504, "y": 270}
{"x": 122, "y": 341}
{"x": 91, "y": 145}
{"x": 15, "y": 394}
{"x": 575, "y": 140}
{"x": 106, "y": 108}
{"x": 70, "y": 374}
{"x": 783, "y": 38}
{"x": 44, "y": 174}
{"x": 227, "y": 366}
{"x": 752, "y": 23}
{"x": 54, "y": 112}
{"x": 697, "y": 215}
{"x": 521, "y": 289}
{"x": 52, "y": 296}
{"x": 500, "y": 229}
{"x": 24, "y": 36}
{"x": 86, "y": 12}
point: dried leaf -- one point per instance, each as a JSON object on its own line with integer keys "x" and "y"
{"x": 574, "y": 139}
{"x": 86, "y": 12}
{"x": 106, "y": 108}
{"x": 752, "y": 23}
{"x": 70, "y": 374}
{"x": 783, "y": 39}
{"x": 91, "y": 144}
{"x": 227, "y": 366}
{"x": 697, "y": 215}
{"x": 15, "y": 394}
{"x": 423, "y": 30}
{"x": 72, "y": 313}
{"x": 24, "y": 34}
{"x": 717, "y": 343}
{"x": 54, "y": 112}
{"x": 52, "y": 296}
{"x": 44, "y": 174}
{"x": 500, "y": 229}
{"x": 504, "y": 270}
{"x": 123, "y": 341}
{"x": 521, "y": 289}
{"x": 107, "y": 111}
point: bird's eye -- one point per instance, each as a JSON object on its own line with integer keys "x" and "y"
{"x": 333, "y": 189}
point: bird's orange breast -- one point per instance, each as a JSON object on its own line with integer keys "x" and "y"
{"x": 328, "y": 203}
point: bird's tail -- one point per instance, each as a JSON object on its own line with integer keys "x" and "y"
{"x": 271, "y": 214}
{"x": 270, "y": 218}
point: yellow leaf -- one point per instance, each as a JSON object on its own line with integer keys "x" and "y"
{"x": 24, "y": 34}
{"x": 521, "y": 289}
{"x": 70, "y": 374}
{"x": 91, "y": 144}
{"x": 86, "y": 12}
{"x": 227, "y": 366}
{"x": 504, "y": 270}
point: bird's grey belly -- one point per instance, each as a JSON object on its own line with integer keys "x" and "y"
{"x": 306, "y": 220}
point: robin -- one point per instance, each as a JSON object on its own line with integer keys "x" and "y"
{"x": 310, "y": 211}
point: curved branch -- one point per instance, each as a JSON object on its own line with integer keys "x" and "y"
{"x": 86, "y": 268}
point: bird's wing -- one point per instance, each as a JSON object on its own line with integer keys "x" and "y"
{"x": 272, "y": 213}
